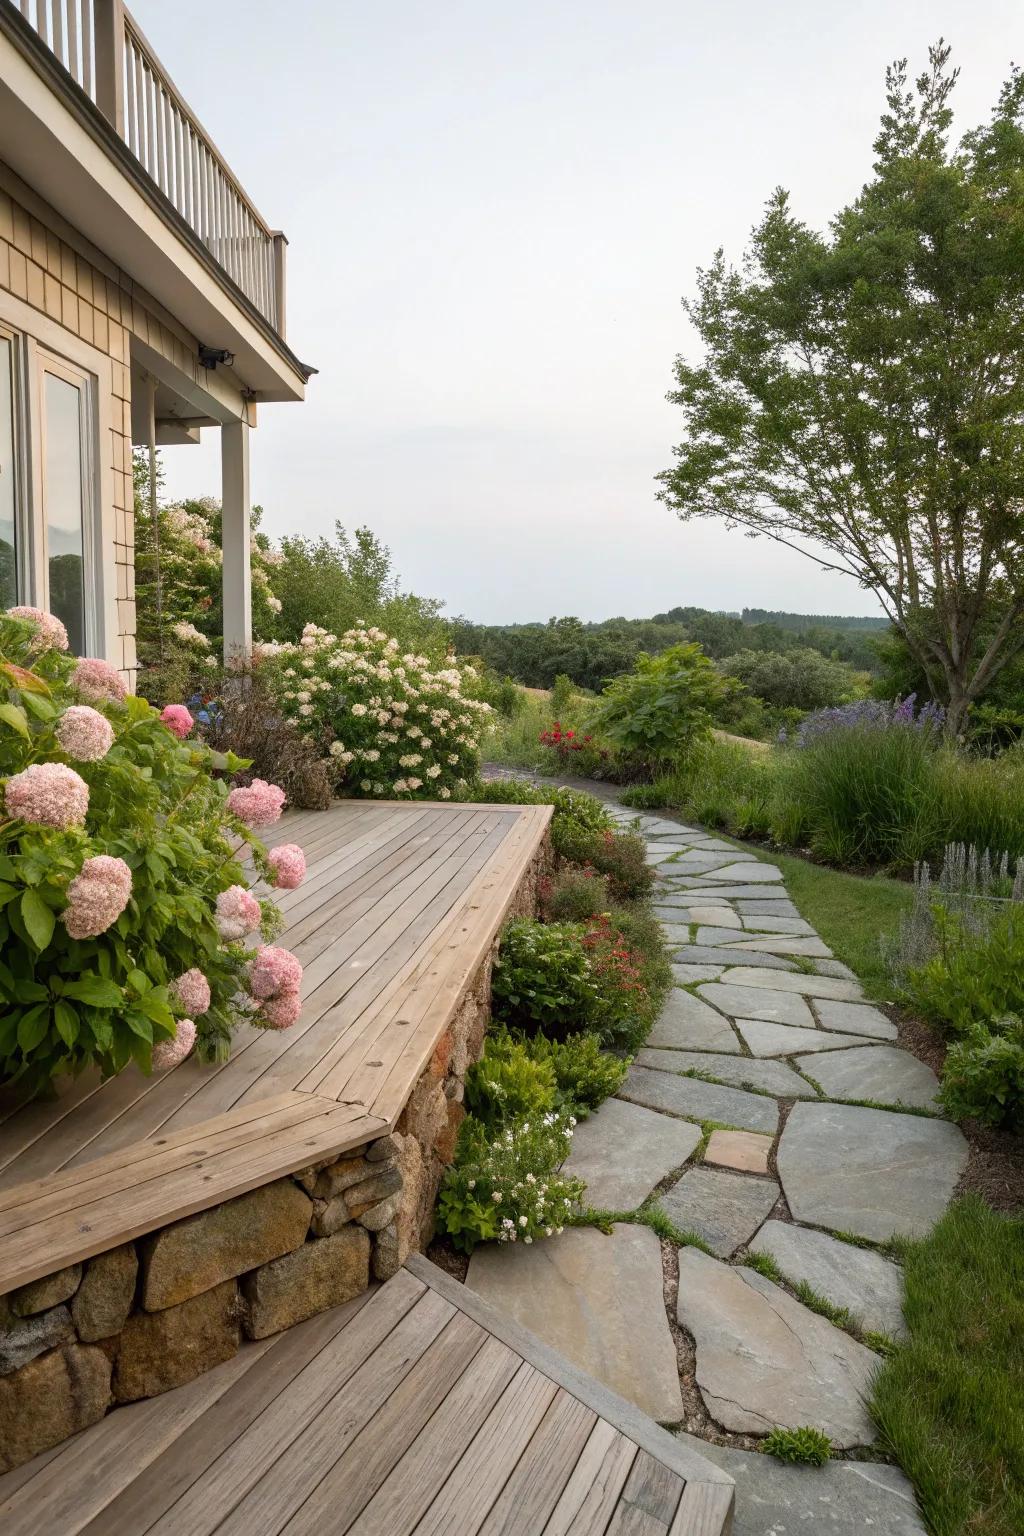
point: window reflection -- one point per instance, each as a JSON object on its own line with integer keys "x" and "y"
{"x": 64, "y": 507}
{"x": 8, "y": 557}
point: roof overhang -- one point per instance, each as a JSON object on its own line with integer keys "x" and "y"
{"x": 62, "y": 147}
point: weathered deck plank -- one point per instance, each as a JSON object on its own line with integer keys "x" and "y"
{"x": 400, "y": 904}
{"x": 415, "y": 1409}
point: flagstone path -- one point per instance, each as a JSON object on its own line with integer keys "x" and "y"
{"x": 770, "y": 1114}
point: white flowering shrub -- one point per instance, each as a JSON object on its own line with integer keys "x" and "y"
{"x": 393, "y": 725}
{"x": 509, "y": 1189}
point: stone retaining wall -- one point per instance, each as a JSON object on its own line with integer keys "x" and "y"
{"x": 152, "y": 1314}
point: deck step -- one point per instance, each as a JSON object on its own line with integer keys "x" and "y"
{"x": 415, "y": 1407}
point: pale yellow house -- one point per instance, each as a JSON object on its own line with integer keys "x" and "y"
{"x": 142, "y": 297}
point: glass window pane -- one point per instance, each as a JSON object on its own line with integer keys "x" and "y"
{"x": 8, "y": 557}
{"x": 65, "y": 543}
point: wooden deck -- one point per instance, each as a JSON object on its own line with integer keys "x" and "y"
{"x": 399, "y": 908}
{"x": 415, "y": 1408}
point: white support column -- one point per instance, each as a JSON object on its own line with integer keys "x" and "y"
{"x": 235, "y": 502}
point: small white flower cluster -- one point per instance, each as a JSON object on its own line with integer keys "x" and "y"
{"x": 520, "y": 1179}
{"x": 189, "y": 635}
{"x": 401, "y": 716}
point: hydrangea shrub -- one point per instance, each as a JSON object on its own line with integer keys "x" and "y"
{"x": 394, "y": 725}
{"x": 126, "y": 919}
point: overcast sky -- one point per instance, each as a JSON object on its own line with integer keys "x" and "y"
{"x": 494, "y": 211}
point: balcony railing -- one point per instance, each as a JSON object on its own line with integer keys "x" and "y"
{"x": 104, "y": 50}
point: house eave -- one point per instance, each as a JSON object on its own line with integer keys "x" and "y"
{"x": 61, "y": 145}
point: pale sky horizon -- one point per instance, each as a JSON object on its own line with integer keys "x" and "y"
{"x": 493, "y": 215}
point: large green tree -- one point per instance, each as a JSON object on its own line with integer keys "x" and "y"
{"x": 861, "y": 394}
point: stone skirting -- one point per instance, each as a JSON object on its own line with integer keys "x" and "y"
{"x": 152, "y": 1314}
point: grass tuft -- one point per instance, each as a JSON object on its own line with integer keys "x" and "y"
{"x": 805, "y": 1445}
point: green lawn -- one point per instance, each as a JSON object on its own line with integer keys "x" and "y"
{"x": 950, "y": 1402}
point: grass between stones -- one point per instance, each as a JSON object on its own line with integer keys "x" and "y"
{"x": 950, "y": 1400}
{"x": 841, "y": 1317}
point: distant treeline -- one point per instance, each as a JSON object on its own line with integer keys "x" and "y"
{"x": 590, "y": 653}
{"x": 804, "y": 621}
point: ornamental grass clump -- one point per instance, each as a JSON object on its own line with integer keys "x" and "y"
{"x": 392, "y": 725}
{"x": 124, "y": 910}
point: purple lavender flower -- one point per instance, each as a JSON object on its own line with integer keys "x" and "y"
{"x": 870, "y": 714}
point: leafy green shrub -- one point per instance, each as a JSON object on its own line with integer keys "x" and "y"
{"x": 118, "y": 876}
{"x": 660, "y": 710}
{"x": 574, "y": 894}
{"x": 585, "y": 1073}
{"x": 805, "y": 1445}
{"x": 620, "y": 856}
{"x": 570, "y": 805}
{"x": 973, "y": 977}
{"x": 797, "y": 679}
{"x": 543, "y": 978}
{"x": 983, "y": 1074}
{"x": 567, "y": 978}
{"x": 509, "y": 1188}
{"x": 510, "y": 1082}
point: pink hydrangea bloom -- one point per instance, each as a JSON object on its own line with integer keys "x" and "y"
{"x": 192, "y": 991}
{"x": 97, "y": 896}
{"x": 50, "y": 632}
{"x": 281, "y": 1010}
{"x": 258, "y": 804}
{"x": 95, "y": 679}
{"x": 84, "y": 733}
{"x": 238, "y": 913}
{"x": 177, "y": 720}
{"x": 171, "y": 1053}
{"x": 49, "y": 794}
{"x": 288, "y": 864}
{"x": 273, "y": 970}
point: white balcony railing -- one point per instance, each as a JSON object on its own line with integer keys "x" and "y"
{"x": 106, "y": 53}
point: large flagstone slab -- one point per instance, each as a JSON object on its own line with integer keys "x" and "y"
{"x": 707, "y": 884}
{"x": 698, "y": 1100}
{"x": 690, "y": 975}
{"x": 764, "y": 1039}
{"x": 843, "y": 1498}
{"x": 598, "y": 1300}
{"x": 855, "y": 1019}
{"x": 623, "y": 1150}
{"x": 688, "y": 1023}
{"x": 788, "y": 944}
{"x": 716, "y": 917}
{"x": 777, "y": 923}
{"x": 738, "y": 1071}
{"x": 753, "y": 872}
{"x": 879, "y": 1072}
{"x": 778, "y": 906}
{"x": 724, "y": 935}
{"x": 762, "y": 975}
{"x": 764, "y": 1360}
{"x": 868, "y": 1171}
{"x": 753, "y": 1002}
{"x": 713, "y": 953}
{"x": 868, "y": 1286}
{"x": 723, "y": 1209}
